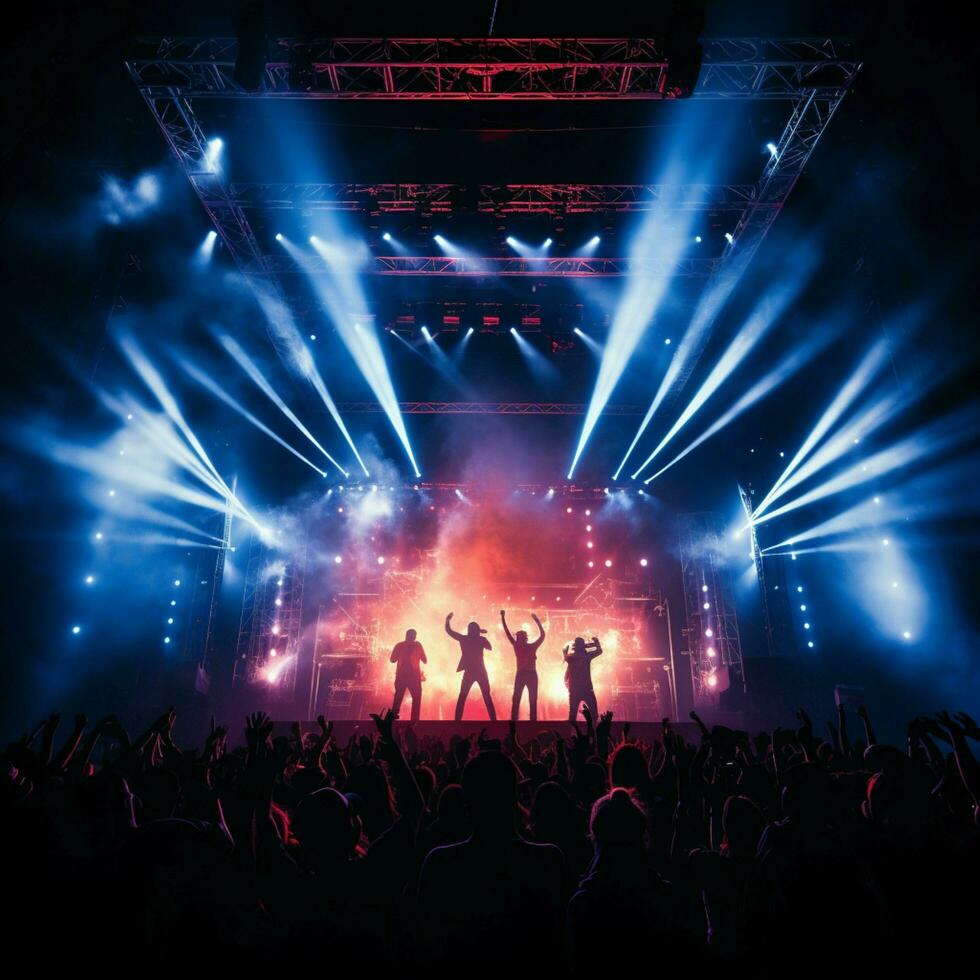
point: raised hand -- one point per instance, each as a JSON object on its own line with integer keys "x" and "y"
{"x": 969, "y": 725}
{"x": 384, "y": 722}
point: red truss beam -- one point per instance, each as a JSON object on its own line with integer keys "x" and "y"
{"x": 490, "y": 266}
{"x": 491, "y": 68}
{"x": 493, "y": 198}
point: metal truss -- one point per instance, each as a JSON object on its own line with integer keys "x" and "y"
{"x": 270, "y": 626}
{"x": 487, "y": 408}
{"x": 494, "y": 68}
{"x": 493, "y": 198}
{"x": 810, "y": 75}
{"x": 497, "y": 265}
{"x": 713, "y": 643}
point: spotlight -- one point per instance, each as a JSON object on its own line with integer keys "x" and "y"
{"x": 906, "y": 634}
{"x": 426, "y": 334}
{"x": 706, "y": 605}
{"x": 771, "y": 147}
{"x": 644, "y": 563}
{"x": 884, "y": 542}
{"x": 806, "y": 626}
{"x": 697, "y": 238}
{"x": 799, "y": 588}
{"x": 386, "y": 237}
{"x": 704, "y": 588}
{"x": 89, "y": 579}
{"x": 173, "y": 602}
{"x": 667, "y": 341}
{"x": 439, "y": 239}
{"x": 712, "y": 652}
{"x": 278, "y": 601}
{"x": 177, "y": 582}
{"x": 278, "y": 236}
{"x": 712, "y": 681}
{"x": 594, "y": 240}
{"x": 591, "y": 564}
{"x": 729, "y": 237}
{"x": 809, "y": 643}
{"x": 381, "y": 559}
{"x": 166, "y": 639}
{"x": 588, "y": 527}
{"x": 511, "y": 241}
{"x": 312, "y": 336}
{"x": 588, "y": 544}
{"x": 803, "y": 607}
{"x": 568, "y": 510}
{"x": 469, "y": 332}
{"x": 337, "y": 559}
{"x": 170, "y": 620}
{"x": 76, "y": 630}
{"x": 313, "y": 239}
{"x": 588, "y": 513}
{"x": 608, "y": 563}
{"x": 709, "y": 632}
{"x": 547, "y": 243}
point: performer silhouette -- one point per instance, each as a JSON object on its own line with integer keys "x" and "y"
{"x": 409, "y": 655}
{"x": 578, "y": 675}
{"x": 471, "y": 646}
{"x": 526, "y": 653}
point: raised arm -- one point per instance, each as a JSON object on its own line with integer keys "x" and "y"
{"x": 537, "y": 622}
{"x": 503, "y": 619}
{"x": 450, "y": 630}
{"x": 597, "y": 652}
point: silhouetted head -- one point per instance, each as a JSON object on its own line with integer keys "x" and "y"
{"x": 578, "y": 646}
{"x": 742, "y": 824}
{"x": 490, "y": 790}
{"x": 552, "y": 812}
{"x": 410, "y": 635}
{"x": 325, "y": 827}
{"x": 617, "y": 819}
{"x": 628, "y": 767}
{"x": 474, "y": 629}
{"x": 521, "y": 636}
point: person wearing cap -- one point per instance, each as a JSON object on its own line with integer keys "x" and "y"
{"x": 474, "y": 670}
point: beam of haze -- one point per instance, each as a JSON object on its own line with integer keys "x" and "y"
{"x": 932, "y": 440}
{"x": 160, "y": 435}
{"x": 211, "y": 385}
{"x": 343, "y": 298}
{"x": 766, "y": 313}
{"x": 253, "y": 371}
{"x": 789, "y": 365}
{"x": 537, "y": 363}
{"x": 281, "y": 323}
{"x": 641, "y": 299}
{"x": 113, "y": 469}
{"x": 154, "y": 381}
{"x": 938, "y": 493}
{"x": 866, "y": 369}
{"x": 708, "y": 307}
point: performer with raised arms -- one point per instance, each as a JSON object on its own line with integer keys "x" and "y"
{"x": 526, "y": 653}
{"x": 578, "y": 675}
{"x": 471, "y": 646}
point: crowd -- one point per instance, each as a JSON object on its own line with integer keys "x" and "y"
{"x": 577, "y": 851}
